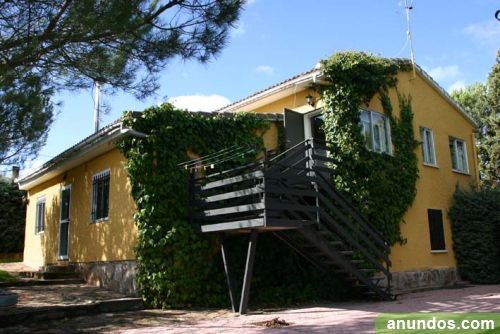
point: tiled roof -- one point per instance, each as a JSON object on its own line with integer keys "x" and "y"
{"x": 249, "y": 97}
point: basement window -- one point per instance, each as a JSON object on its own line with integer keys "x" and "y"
{"x": 376, "y": 131}
{"x": 436, "y": 230}
{"x": 40, "y": 215}
{"x": 100, "y": 196}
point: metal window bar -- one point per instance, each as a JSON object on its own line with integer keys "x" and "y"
{"x": 100, "y": 195}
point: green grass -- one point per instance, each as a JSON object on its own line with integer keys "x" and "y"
{"x": 6, "y": 277}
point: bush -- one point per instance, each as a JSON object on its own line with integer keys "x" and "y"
{"x": 12, "y": 217}
{"x": 475, "y": 216}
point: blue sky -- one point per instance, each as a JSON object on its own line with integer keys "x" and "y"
{"x": 455, "y": 41}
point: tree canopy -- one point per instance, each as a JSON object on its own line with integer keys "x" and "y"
{"x": 482, "y": 101}
{"x": 46, "y": 46}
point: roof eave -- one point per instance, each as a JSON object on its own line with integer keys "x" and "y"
{"x": 90, "y": 148}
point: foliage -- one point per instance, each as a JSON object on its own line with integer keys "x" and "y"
{"x": 178, "y": 267}
{"x": 25, "y": 115}
{"x": 12, "y": 217}
{"x": 6, "y": 277}
{"x": 58, "y": 45}
{"x": 482, "y": 102}
{"x": 475, "y": 217}
{"x": 382, "y": 186}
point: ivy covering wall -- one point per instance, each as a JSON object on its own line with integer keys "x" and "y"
{"x": 382, "y": 186}
{"x": 177, "y": 266}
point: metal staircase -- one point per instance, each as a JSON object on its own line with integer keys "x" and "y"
{"x": 291, "y": 196}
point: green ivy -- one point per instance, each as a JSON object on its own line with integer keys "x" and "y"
{"x": 382, "y": 186}
{"x": 178, "y": 266}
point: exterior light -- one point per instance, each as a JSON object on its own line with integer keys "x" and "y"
{"x": 310, "y": 100}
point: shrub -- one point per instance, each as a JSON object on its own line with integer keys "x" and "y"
{"x": 12, "y": 217}
{"x": 475, "y": 216}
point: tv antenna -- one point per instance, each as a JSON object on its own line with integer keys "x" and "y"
{"x": 408, "y": 7}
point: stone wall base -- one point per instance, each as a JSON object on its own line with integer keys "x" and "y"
{"x": 115, "y": 275}
{"x": 407, "y": 281}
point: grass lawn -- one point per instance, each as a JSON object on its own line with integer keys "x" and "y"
{"x": 6, "y": 277}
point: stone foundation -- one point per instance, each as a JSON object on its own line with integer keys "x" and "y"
{"x": 424, "y": 279}
{"x": 115, "y": 275}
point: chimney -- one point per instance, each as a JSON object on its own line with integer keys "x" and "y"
{"x": 15, "y": 172}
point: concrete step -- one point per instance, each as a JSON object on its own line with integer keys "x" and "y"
{"x": 16, "y": 317}
{"x": 41, "y": 282}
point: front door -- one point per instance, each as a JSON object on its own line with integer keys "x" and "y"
{"x": 64, "y": 224}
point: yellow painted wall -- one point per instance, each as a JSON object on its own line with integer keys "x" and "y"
{"x": 435, "y": 186}
{"x": 110, "y": 240}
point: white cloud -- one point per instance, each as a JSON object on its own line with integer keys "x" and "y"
{"x": 486, "y": 33}
{"x": 264, "y": 69}
{"x": 199, "y": 102}
{"x": 457, "y": 85}
{"x": 440, "y": 73}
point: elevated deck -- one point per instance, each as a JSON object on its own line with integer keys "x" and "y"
{"x": 291, "y": 196}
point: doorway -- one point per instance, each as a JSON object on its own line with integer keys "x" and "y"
{"x": 64, "y": 223}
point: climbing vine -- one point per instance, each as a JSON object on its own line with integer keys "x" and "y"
{"x": 382, "y": 186}
{"x": 177, "y": 265}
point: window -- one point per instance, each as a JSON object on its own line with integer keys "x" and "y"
{"x": 428, "y": 153}
{"x": 436, "y": 230}
{"x": 458, "y": 155}
{"x": 100, "y": 196}
{"x": 376, "y": 131}
{"x": 40, "y": 215}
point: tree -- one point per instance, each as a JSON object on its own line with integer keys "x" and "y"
{"x": 482, "y": 101}
{"x": 12, "y": 215}
{"x": 47, "y": 46}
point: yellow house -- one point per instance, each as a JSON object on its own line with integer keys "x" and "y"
{"x": 80, "y": 210}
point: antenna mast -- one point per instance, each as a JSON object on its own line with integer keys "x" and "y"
{"x": 97, "y": 105}
{"x": 408, "y": 8}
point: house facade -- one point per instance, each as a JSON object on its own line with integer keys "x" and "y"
{"x": 80, "y": 209}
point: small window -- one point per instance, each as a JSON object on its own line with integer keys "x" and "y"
{"x": 40, "y": 215}
{"x": 100, "y": 196}
{"x": 376, "y": 131}
{"x": 428, "y": 152}
{"x": 458, "y": 152}
{"x": 436, "y": 230}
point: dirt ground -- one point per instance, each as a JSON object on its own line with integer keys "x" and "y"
{"x": 351, "y": 317}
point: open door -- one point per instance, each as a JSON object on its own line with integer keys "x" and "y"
{"x": 294, "y": 127}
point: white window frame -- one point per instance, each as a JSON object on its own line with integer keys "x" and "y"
{"x": 455, "y": 149}
{"x": 425, "y": 146}
{"x": 372, "y": 132}
{"x": 307, "y": 122}
{"x": 92, "y": 199}
{"x": 40, "y": 200}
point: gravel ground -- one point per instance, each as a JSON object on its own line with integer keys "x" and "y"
{"x": 352, "y": 317}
